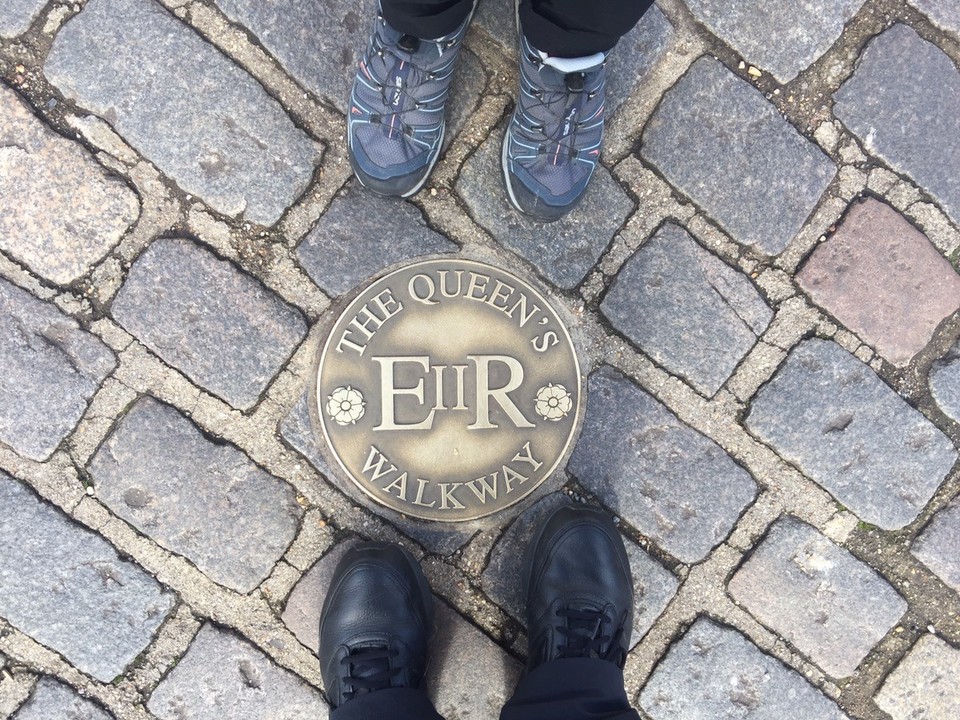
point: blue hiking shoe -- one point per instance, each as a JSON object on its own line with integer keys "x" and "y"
{"x": 552, "y": 144}
{"x": 395, "y": 119}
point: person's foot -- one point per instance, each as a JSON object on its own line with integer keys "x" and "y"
{"x": 579, "y": 589}
{"x": 395, "y": 119}
{"x": 375, "y": 623}
{"x": 552, "y": 144}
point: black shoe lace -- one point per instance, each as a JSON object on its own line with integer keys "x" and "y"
{"x": 585, "y": 638}
{"x": 400, "y": 51}
{"x": 368, "y": 669}
{"x": 560, "y": 105}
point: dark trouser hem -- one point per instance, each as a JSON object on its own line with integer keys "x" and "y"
{"x": 562, "y": 28}
{"x": 571, "y": 689}
{"x": 427, "y": 19}
{"x": 390, "y": 704}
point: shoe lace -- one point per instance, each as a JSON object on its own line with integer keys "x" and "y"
{"x": 368, "y": 669}
{"x": 388, "y": 59}
{"x": 583, "y": 631}
{"x": 558, "y": 114}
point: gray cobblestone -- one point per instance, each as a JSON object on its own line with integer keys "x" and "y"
{"x": 912, "y": 121}
{"x": 943, "y": 13}
{"x": 831, "y": 415}
{"x": 831, "y": 606}
{"x": 924, "y": 686}
{"x": 670, "y": 482}
{"x": 563, "y": 251}
{"x": 208, "y": 125}
{"x": 720, "y": 142}
{"x": 320, "y": 45}
{"x": 688, "y": 310}
{"x": 469, "y": 676}
{"x": 945, "y": 383}
{"x": 51, "y": 369}
{"x": 206, "y": 501}
{"x": 714, "y": 673}
{"x": 53, "y": 701}
{"x": 784, "y": 42}
{"x": 17, "y": 15}
{"x": 208, "y": 319}
{"x": 362, "y": 233}
{"x": 937, "y": 546}
{"x": 222, "y": 676}
{"x": 66, "y": 587}
{"x": 59, "y": 210}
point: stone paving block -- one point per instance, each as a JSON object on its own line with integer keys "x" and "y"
{"x": 209, "y": 125}
{"x": 206, "y": 501}
{"x": 816, "y": 595}
{"x": 883, "y": 279}
{"x": 297, "y": 429}
{"x": 671, "y": 483}
{"x": 362, "y": 233}
{"x": 223, "y": 676}
{"x": 53, "y": 701}
{"x": 938, "y": 546}
{"x": 924, "y": 685}
{"x": 51, "y": 369}
{"x": 909, "y": 120}
{"x": 833, "y": 417}
{"x": 502, "y": 580}
{"x": 719, "y": 141}
{"x": 686, "y": 308}
{"x": 469, "y": 677}
{"x": 16, "y": 16}
{"x": 628, "y": 64}
{"x": 562, "y": 251}
{"x": 943, "y": 13}
{"x": 783, "y": 43}
{"x": 66, "y": 587}
{"x": 715, "y": 673}
{"x": 945, "y": 383}
{"x": 320, "y": 44}
{"x": 302, "y": 611}
{"x": 60, "y": 212}
{"x": 207, "y": 318}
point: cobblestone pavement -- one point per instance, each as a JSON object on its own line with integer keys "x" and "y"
{"x": 761, "y": 282}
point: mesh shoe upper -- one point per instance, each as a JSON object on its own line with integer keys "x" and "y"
{"x": 395, "y": 120}
{"x": 553, "y": 141}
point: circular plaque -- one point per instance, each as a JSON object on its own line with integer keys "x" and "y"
{"x": 448, "y": 390}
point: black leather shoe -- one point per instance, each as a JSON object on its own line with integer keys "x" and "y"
{"x": 375, "y": 623}
{"x": 579, "y": 589}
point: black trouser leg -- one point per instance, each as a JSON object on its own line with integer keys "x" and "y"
{"x": 390, "y": 704}
{"x": 571, "y": 689}
{"x": 577, "y": 28}
{"x": 562, "y": 28}
{"x": 428, "y": 19}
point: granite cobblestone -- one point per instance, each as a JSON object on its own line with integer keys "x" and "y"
{"x": 52, "y": 700}
{"x": 936, "y": 547}
{"x": 16, "y": 16}
{"x": 67, "y": 588}
{"x": 205, "y": 501}
{"x": 210, "y": 126}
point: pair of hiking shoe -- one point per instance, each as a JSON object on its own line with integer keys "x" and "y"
{"x": 377, "y": 617}
{"x": 395, "y": 120}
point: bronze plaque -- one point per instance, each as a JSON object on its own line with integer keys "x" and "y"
{"x": 448, "y": 390}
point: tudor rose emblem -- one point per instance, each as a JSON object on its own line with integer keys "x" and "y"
{"x": 448, "y": 390}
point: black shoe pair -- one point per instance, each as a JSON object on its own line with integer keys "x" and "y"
{"x": 378, "y": 613}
